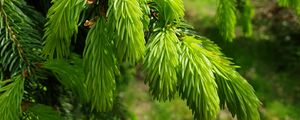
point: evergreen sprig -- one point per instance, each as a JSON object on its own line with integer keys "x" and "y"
{"x": 174, "y": 60}
{"x": 197, "y": 84}
{"x": 100, "y": 66}
{"x": 226, "y": 18}
{"x": 19, "y": 39}
{"x": 233, "y": 90}
{"x": 62, "y": 24}
{"x": 124, "y": 18}
{"x": 170, "y": 10}
{"x": 11, "y": 92}
{"x": 161, "y": 62}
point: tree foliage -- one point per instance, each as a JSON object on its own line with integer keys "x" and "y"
{"x": 124, "y": 18}
{"x": 20, "y": 40}
{"x": 62, "y": 24}
{"x": 246, "y": 14}
{"x": 152, "y": 32}
{"x": 11, "y": 98}
{"x": 226, "y": 18}
{"x": 197, "y": 82}
{"x": 99, "y": 63}
{"x": 161, "y": 63}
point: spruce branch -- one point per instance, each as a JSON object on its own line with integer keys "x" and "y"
{"x": 173, "y": 60}
{"x": 11, "y": 92}
{"x": 170, "y": 10}
{"x": 234, "y": 91}
{"x": 100, "y": 66}
{"x": 124, "y": 17}
{"x": 161, "y": 62}
{"x": 197, "y": 84}
{"x": 62, "y": 24}
{"x": 20, "y": 41}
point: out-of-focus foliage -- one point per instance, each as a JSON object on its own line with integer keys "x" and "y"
{"x": 295, "y": 4}
{"x": 226, "y": 18}
{"x": 246, "y": 15}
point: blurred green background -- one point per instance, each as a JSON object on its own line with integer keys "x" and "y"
{"x": 270, "y": 61}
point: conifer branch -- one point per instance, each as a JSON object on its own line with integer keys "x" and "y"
{"x": 11, "y": 97}
{"x": 170, "y": 10}
{"x": 20, "y": 42}
{"x": 124, "y": 18}
{"x": 100, "y": 66}
{"x": 197, "y": 84}
{"x": 194, "y": 66}
{"x": 161, "y": 63}
{"x": 234, "y": 91}
{"x": 62, "y": 24}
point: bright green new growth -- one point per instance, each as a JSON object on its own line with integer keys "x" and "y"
{"x": 124, "y": 18}
{"x": 100, "y": 66}
{"x": 226, "y": 18}
{"x": 161, "y": 62}
{"x": 161, "y": 59}
{"x": 197, "y": 84}
{"x": 10, "y": 98}
{"x": 234, "y": 91}
{"x": 174, "y": 61}
{"x": 170, "y": 10}
{"x": 62, "y": 24}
